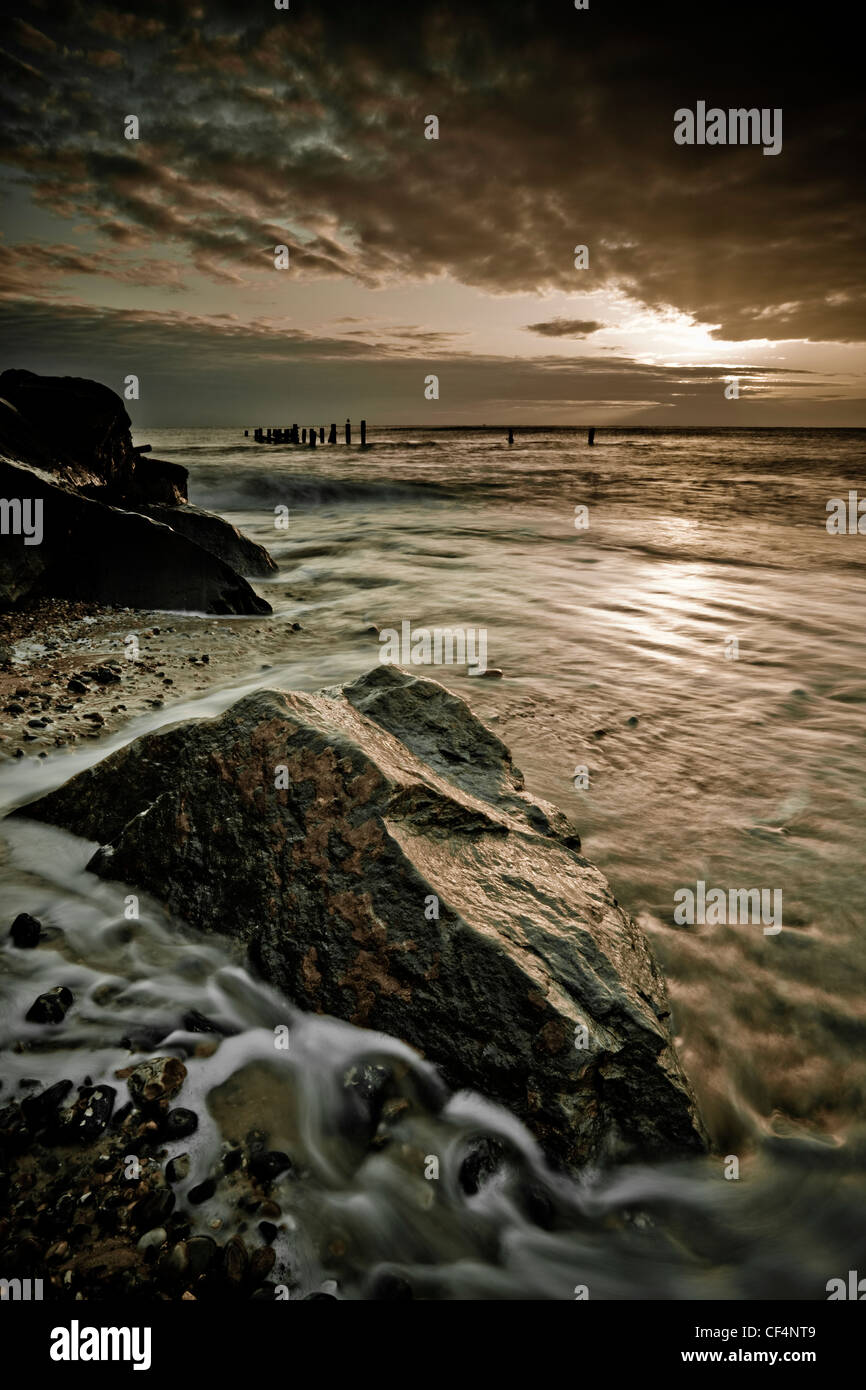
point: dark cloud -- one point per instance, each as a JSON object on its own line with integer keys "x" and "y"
{"x": 565, "y": 328}
{"x": 232, "y": 371}
{"x": 556, "y": 128}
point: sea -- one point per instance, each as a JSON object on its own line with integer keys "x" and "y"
{"x": 678, "y": 618}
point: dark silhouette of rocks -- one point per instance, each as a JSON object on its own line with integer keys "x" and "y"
{"x": 116, "y": 525}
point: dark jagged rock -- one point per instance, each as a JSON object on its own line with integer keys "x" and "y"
{"x": 93, "y": 552}
{"x": 222, "y": 539}
{"x": 80, "y": 432}
{"x": 111, "y": 517}
{"x": 396, "y": 874}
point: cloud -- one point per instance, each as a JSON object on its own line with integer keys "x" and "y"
{"x": 565, "y": 328}
{"x": 556, "y": 129}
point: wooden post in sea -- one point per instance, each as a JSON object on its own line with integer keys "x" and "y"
{"x": 332, "y": 437}
{"x": 321, "y": 434}
{"x": 312, "y": 438}
{"x": 294, "y": 434}
{"x": 348, "y": 430}
{"x": 363, "y": 434}
{"x": 246, "y": 434}
{"x": 303, "y": 436}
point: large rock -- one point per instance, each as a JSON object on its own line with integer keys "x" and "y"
{"x": 101, "y": 554}
{"x": 117, "y": 526}
{"x": 400, "y": 805}
{"x": 222, "y": 539}
{"x": 79, "y": 430}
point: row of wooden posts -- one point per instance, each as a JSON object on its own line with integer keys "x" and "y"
{"x": 310, "y": 437}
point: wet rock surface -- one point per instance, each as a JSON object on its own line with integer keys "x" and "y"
{"x": 374, "y": 850}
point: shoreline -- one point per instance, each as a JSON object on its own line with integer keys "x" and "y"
{"x": 57, "y": 642}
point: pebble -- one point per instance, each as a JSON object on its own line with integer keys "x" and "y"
{"x": 177, "y": 1168}
{"x": 50, "y": 1007}
{"x": 202, "y": 1192}
{"x": 25, "y": 931}
{"x": 180, "y": 1123}
{"x": 153, "y": 1238}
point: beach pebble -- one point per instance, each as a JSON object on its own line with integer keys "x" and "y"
{"x": 50, "y": 1007}
{"x": 267, "y": 1166}
{"x": 152, "y": 1239}
{"x": 25, "y": 931}
{"x": 152, "y": 1210}
{"x": 202, "y": 1192}
{"x": 201, "y": 1252}
{"x": 177, "y": 1168}
{"x": 235, "y": 1260}
{"x": 180, "y": 1123}
{"x": 156, "y": 1080}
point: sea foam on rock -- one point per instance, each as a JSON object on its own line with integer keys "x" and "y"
{"x": 374, "y": 849}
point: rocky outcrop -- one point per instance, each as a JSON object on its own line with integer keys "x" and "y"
{"x": 79, "y": 431}
{"x": 374, "y": 849}
{"x": 223, "y": 540}
{"x": 115, "y": 526}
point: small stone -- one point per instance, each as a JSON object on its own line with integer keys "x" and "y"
{"x": 202, "y": 1252}
{"x": 177, "y": 1168}
{"x": 235, "y": 1260}
{"x": 152, "y": 1210}
{"x": 202, "y": 1192}
{"x": 262, "y": 1262}
{"x": 179, "y": 1123}
{"x": 25, "y": 931}
{"x": 151, "y": 1240}
{"x": 154, "y": 1081}
{"x": 76, "y": 686}
{"x": 50, "y": 1007}
{"x": 267, "y": 1166}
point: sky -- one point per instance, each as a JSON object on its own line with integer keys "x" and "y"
{"x": 723, "y": 286}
